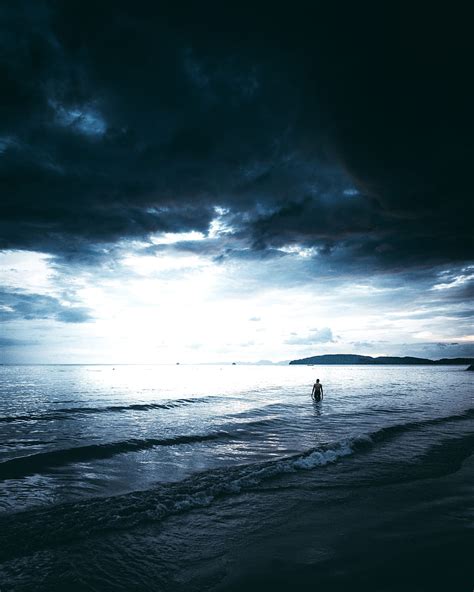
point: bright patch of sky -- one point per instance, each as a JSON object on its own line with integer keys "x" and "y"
{"x": 219, "y": 226}
{"x": 27, "y": 271}
{"x": 174, "y": 306}
{"x": 456, "y": 281}
{"x": 171, "y": 238}
{"x": 299, "y": 250}
{"x": 149, "y": 265}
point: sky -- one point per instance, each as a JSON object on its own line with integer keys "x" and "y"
{"x": 197, "y": 183}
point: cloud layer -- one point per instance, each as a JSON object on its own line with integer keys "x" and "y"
{"x": 349, "y": 134}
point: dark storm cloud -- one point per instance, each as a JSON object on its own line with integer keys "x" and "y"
{"x": 120, "y": 120}
{"x": 17, "y": 305}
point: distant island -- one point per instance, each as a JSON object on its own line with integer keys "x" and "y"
{"x": 353, "y": 359}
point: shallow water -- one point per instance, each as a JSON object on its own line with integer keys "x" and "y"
{"x": 214, "y": 478}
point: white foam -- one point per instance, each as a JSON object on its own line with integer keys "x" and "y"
{"x": 290, "y": 465}
{"x": 321, "y": 458}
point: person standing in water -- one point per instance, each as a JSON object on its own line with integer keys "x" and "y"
{"x": 317, "y": 392}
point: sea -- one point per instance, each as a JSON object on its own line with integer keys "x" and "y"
{"x": 228, "y": 478}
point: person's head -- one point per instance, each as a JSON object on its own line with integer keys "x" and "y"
{"x": 317, "y": 379}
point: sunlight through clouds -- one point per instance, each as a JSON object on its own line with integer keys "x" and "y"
{"x": 27, "y": 270}
{"x": 174, "y": 305}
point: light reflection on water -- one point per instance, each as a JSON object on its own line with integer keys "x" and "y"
{"x": 252, "y": 413}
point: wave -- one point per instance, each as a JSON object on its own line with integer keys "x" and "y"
{"x": 23, "y": 466}
{"x": 24, "y": 532}
{"x": 59, "y": 414}
{"x": 40, "y": 462}
{"x": 29, "y": 531}
{"x": 396, "y": 430}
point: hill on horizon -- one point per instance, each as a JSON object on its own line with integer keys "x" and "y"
{"x": 356, "y": 359}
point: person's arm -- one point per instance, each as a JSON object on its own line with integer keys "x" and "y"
{"x": 312, "y": 392}
{"x": 322, "y": 393}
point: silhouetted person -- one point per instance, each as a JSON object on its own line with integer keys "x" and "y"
{"x": 317, "y": 392}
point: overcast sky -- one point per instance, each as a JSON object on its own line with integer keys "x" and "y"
{"x": 202, "y": 185}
